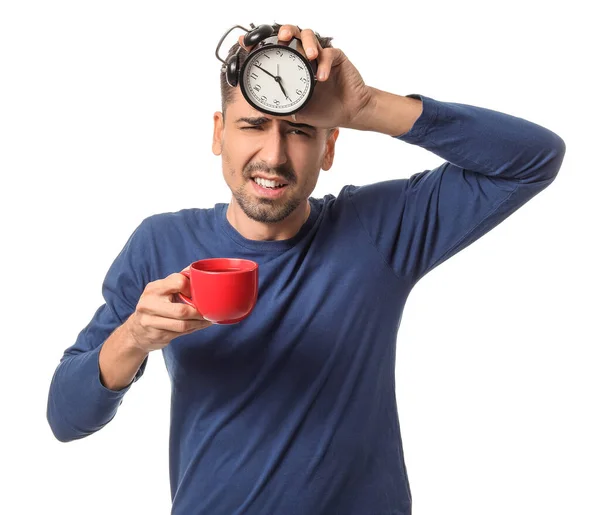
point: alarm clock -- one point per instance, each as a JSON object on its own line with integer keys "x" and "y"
{"x": 276, "y": 78}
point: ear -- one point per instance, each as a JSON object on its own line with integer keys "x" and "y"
{"x": 217, "y": 146}
{"x": 330, "y": 150}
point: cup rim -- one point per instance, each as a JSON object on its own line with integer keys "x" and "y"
{"x": 249, "y": 264}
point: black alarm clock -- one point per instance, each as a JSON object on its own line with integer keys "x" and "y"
{"x": 276, "y": 78}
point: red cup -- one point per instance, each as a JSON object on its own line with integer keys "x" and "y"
{"x": 224, "y": 290}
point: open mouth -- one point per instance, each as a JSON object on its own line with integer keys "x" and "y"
{"x": 269, "y": 189}
{"x": 272, "y": 185}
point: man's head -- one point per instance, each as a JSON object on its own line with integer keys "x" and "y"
{"x": 253, "y": 144}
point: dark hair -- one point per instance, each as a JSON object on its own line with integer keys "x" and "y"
{"x": 227, "y": 90}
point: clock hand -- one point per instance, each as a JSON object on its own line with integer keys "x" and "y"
{"x": 284, "y": 93}
{"x": 265, "y": 71}
{"x": 278, "y": 79}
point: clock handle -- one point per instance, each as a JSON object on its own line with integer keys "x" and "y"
{"x": 223, "y": 39}
{"x": 257, "y": 35}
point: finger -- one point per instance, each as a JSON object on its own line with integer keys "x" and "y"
{"x": 330, "y": 57}
{"x": 325, "y": 64}
{"x": 241, "y": 43}
{"x": 287, "y": 32}
{"x": 310, "y": 43}
{"x": 201, "y": 325}
{"x": 157, "y": 306}
{"x": 178, "y": 311}
{"x": 176, "y": 327}
{"x": 174, "y": 283}
{"x": 186, "y": 289}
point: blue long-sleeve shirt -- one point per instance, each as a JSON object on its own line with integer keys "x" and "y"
{"x": 293, "y": 410}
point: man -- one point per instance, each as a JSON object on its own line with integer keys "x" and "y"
{"x": 293, "y": 411}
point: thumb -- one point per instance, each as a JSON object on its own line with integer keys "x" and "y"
{"x": 241, "y": 43}
{"x": 185, "y": 289}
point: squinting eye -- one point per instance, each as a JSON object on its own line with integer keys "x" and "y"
{"x": 251, "y": 127}
{"x": 300, "y": 132}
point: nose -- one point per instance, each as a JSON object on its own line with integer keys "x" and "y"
{"x": 274, "y": 148}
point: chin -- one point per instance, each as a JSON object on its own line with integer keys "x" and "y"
{"x": 268, "y": 215}
{"x": 267, "y": 211}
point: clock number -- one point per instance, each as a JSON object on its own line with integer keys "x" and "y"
{"x": 263, "y": 99}
{"x": 257, "y": 88}
{"x": 300, "y": 68}
{"x": 276, "y": 102}
{"x": 292, "y": 56}
{"x": 254, "y": 76}
{"x": 279, "y": 53}
{"x": 258, "y": 63}
{"x": 298, "y": 92}
{"x": 303, "y": 79}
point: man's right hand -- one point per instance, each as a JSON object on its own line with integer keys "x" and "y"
{"x": 158, "y": 318}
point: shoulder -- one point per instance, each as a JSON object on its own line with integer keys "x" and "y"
{"x": 183, "y": 219}
{"x": 160, "y": 231}
{"x": 375, "y": 191}
{"x": 163, "y": 241}
{"x": 365, "y": 195}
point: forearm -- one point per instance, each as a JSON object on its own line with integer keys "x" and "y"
{"x": 80, "y": 402}
{"x": 388, "y": 113}
{"x": 120, "y": 359}
{"x": 473, "y": 138}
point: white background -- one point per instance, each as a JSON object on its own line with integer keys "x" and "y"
{"x": 106, "y": 118}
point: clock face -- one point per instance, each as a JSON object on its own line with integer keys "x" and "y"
{"x": 277, "y": 80}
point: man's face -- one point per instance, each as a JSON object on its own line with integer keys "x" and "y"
{"x": 253, "y": 144}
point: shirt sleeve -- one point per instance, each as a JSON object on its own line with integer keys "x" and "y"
{"x": 78, "y": 403}
{"x": 494, "y": 164}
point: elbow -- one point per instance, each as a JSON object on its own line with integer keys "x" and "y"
{"x": 60, "y": 430}
{"x": 555, "y": 156}
{"x": 62, "y": 437}
{"x": 65, "y": 424}
{"x": 543, "y": 168}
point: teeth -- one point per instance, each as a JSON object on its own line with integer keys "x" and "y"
{"x": 266, "y": 184}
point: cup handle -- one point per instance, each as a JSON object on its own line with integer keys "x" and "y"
{"x": 185, "y": 299}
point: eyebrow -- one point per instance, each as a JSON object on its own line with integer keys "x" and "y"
{"x": 263, "y": 119}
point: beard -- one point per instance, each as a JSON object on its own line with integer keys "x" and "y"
{"x": 266, "y": 210}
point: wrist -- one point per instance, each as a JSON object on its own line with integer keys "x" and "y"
{"x": 388, "y": 113}
{"x": 362, "y": 120}
{"x": 130, "y": 343}
{"x": 120, "y": 358}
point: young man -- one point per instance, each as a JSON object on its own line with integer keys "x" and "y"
{"x": 293, "y": 410}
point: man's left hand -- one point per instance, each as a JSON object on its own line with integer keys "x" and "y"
{"x": 341, "y": 97}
